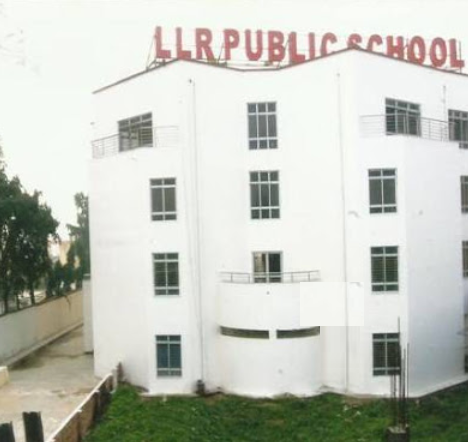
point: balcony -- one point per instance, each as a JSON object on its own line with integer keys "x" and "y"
{"x": 407, "y": 125}
{"x": 158, "y": 136}
{"x": 267, "y": 278}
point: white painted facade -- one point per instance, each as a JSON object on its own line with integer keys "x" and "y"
{"x": 325, "y": 149}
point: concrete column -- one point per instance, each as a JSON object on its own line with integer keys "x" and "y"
{"x": 87, "y": 316}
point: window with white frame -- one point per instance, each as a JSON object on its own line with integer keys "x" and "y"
{"x": 262, "y": 125}
{"x": 163, "y": 199}
{"x": 264, "y": 195}
{"x": 464, "y": 193}
{"x": 166, "y": 273}
{"x": 267, "y": 267}
{"x": 386, "y": 353}
{"x": 384, "y": 269}
{"x": 465, "y": 258}
{"x": 382, "y": 191}
{"x": 168, "y": 355}
{"x": 458, "y": 125}
{"x": 402, "y": 117}
{"x": 136, "y": 132}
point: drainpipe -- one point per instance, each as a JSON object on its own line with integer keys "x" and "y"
{"x": 344, "y": 228}
{"x": 197, "y": 237}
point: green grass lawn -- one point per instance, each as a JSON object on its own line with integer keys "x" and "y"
{"x": 328, "y": 418}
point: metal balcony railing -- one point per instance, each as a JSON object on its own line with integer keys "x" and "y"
{"x": 406, "y": 124}
{"x": 272, "y": 277}
{"x": 158, "y": 136}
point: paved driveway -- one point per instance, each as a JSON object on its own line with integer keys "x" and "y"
{"x": 53, "y": 381}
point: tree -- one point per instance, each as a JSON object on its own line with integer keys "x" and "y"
{"x": 26, "y": 225}
{"x": 79, "y": 235}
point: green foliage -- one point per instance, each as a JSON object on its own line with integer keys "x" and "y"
{"x": 26, "y": 225}
{"x": 79, "y": 236}
{"x": 327, "y": 418}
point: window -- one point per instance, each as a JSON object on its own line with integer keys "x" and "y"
{"x": 168, "y": 355}
{"x": 136, "y": 132}
{"x": 402, "y": 117}
{"x": 264, "y": 195}
{"x": 298, "y": 333}
{"x": 262, "y": 126}
{"x": 166, "y": 273}
{"x": 244, "y": 333}
{"x": 382, "y": 191}
{"x": 384, "y": 263}
{"x": 163, "y": 199}
{"x": 267, "y": 266}
{"x": 465, "y": 258}
{"x": 386, "y": 353}
{"x": 458, "y": 125}
{"x": 464, "y": 193}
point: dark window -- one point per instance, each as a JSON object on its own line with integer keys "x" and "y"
{"x": 464, "y": 193}
{"x": 168, "y": 355}
{"x": 264, "y": 195}
{"x": 458, "y": 125}
{"x": 384, "y": 268}
{"x": 163, "y": 199}
{"x": 136, "y": 132}
{"x": 465, "y": 258}
{"x": 402, "y": 117}
{"x": 267, "y": 267}
{"x": 298, "y": 333}
{"x": 244, "y": 333}
{"x": 386, "y": 353}
{"x": 166, "y": 273}
{"x": 382, "y": 191}
{"x": 262, "y": 126}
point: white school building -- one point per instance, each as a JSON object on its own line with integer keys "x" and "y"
{"x": 272, "y": 231}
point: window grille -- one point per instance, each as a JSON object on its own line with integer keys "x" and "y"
{"x": 262, "y": 125}
{"x": 384, "y": 268}
{"x": 264, "y": 195}
{"x": 386, "y": 353}
{"x": 166, "y": 273}
{"x": 163, "y": 199}
{"x": 136, "y": 132}
{"x": 168, "y": 355}
{"x": 382, "y": 191}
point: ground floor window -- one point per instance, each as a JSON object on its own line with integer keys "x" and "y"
{"x": 168, "y": 355}
{"x": 386, "y": 353}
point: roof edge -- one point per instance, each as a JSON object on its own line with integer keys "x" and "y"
{"x": 270, "y": 69}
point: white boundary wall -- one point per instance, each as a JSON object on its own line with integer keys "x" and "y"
{"x": 27, "y": 330}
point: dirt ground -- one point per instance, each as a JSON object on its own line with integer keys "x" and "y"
{"x": 52, "y": 381}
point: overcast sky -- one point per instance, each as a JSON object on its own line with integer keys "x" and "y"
{"x": 54, "y": 53}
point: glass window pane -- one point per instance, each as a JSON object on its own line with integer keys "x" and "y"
{"x": 274, "y": 195}
{"x": 173, "y": 274}
{"x": 262, "y": 128}
{"x": 265, "y": 195}
{"x": 260, "y": 263}
{"x": 157, "y": 200}
{"x": 252, "y": 126}
{"x": 274, "y": 262}
{"x": 175, "y": 356}
{"x": 377, "y": 269}
{"x": 389, "y": 191}
{"x": 392, "y": 269}
{"x": 170, "y": 199}
{"x": 375, "y": 192}
{"x": 272, "y": 125}
{"x": 163, "y": 355}
{"x": 254, "y": 196}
